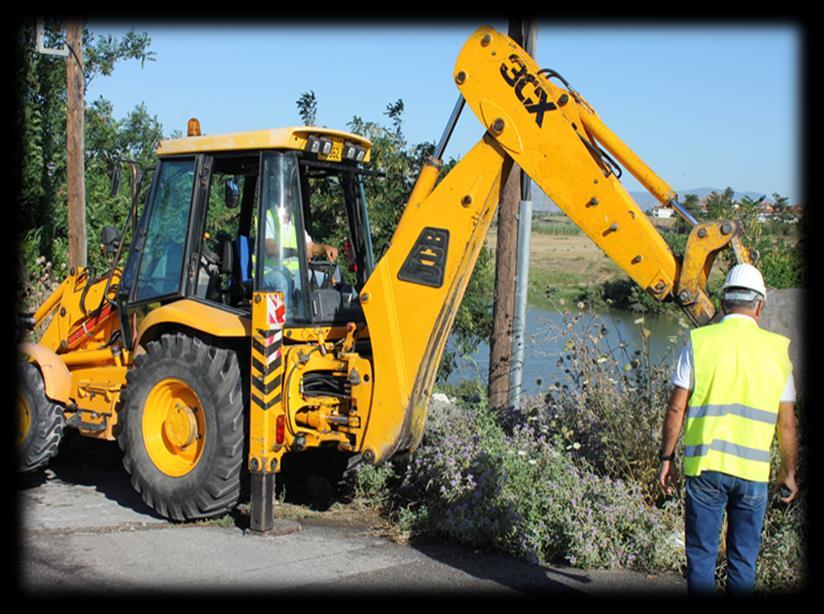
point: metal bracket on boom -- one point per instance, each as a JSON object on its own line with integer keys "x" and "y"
{"x": 703, "y": 245}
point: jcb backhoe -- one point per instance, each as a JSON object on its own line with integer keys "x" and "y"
{"x": 219, "y": 346}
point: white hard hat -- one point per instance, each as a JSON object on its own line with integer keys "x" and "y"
{"x": 746, "y": 276}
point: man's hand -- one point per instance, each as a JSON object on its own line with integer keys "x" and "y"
{"x": 315, "y": 250}
{"x": 331, "y": 252}
{"x": 788, "y": 442}
{"x": 667, "y": 476}
{"x": 673, "y": 420}
{"x": 787, "y": 480}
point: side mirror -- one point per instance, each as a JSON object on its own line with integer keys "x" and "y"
{"x": 231, "y": 192}
{"x": 227, "y": 261}
{"x": 110, "y": 239}
{"x": 114, "y": 181}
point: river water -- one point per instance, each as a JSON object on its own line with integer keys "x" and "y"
{"x": 545, "y": 340}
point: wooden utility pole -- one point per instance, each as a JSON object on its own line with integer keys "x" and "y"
{"x": 75, "y": 150}
{"x": 503, "y": 310}
{"x": 500, "y": 346}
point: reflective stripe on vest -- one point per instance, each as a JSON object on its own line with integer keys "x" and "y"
{"x": 741, "y": 371}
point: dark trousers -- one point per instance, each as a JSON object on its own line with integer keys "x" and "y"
{"x": 708, "y": 496}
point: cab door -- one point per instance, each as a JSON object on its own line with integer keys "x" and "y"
{"x": 157, "y": 264}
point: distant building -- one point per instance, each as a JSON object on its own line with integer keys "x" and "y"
{"x": 662, "y": 212}
{"x": 766, "y": 211}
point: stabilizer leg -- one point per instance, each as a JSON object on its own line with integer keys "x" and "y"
{"x": 261, "y": 506}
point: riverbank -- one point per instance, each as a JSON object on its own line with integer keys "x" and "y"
{"x": 564, "y": 262}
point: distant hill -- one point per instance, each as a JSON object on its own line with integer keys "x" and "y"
{"x": 645, "y": 200}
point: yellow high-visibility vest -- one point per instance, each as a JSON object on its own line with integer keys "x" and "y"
{"x": 289, "y": 239}
{"x": 740, "y": 371}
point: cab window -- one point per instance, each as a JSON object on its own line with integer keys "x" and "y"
{"x": 161, "y": 264}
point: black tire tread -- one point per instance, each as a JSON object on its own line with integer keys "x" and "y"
{"x": 47, "y": 423}
{"x": 219, "y": 490}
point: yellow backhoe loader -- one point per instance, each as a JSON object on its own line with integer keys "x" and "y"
{"x": 220, "y": 345}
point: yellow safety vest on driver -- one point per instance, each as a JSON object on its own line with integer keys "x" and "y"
{"x": 286, "y": 238}
{"x": 740, "y": 371}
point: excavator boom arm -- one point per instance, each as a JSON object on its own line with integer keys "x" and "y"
{"x": 559, "y": 140}
{"x": 545, "y": 130}
{"x": 555, "y": 136}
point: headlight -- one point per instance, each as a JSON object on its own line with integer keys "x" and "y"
{"x": 353, "y": 152}
{"x": 319, "y": 145}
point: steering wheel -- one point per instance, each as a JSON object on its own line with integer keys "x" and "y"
{"x": 328, "y": 268}
{"x": 210, "y": 257}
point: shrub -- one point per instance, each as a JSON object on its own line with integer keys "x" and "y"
{"x": 610, "y": 402}
{"x": 474, "y": 482}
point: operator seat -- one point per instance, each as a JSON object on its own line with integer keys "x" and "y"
{"x": 241, "y": 284}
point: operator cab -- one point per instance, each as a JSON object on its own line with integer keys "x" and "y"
{"x": 230, "y": 214}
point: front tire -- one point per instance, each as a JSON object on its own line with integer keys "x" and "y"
{"x": 182, "y": 428}
{"x": 40, "y": 421}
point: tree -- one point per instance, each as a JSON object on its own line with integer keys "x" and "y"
{"x": 41, "y": 93}
{"x": 721, "y": 206}
{"x": 308, "y": 108}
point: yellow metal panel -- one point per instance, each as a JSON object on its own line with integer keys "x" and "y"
{"x": 199, "y": 316}
{"x": 315, "y": 333}
{"x": 56, "y": 376}
{"x": 98, "y": 390}
{"x": 410, "y": 322}
{"x": 277, "y": 138}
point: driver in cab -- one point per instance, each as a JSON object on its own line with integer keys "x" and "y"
{"x": 282, "y": 266}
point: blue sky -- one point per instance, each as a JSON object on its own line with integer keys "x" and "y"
{"x": 704, "y": 105}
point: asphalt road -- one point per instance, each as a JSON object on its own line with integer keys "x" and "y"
{"x": 84, "y": 531}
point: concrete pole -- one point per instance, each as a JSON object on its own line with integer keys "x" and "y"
{"x": 75, "y": 150}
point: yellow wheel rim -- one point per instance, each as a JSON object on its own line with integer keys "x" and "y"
{"x": 174, "y": 428}
{"x": 23, "y": 419}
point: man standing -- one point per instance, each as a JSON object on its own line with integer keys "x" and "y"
{"x": 733, "y": 384}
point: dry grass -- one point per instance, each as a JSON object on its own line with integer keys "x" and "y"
{"x": 564, "y": 262}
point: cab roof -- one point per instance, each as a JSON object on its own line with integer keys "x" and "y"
{"x": 276, "y": 138}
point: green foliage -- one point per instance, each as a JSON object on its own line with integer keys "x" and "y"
{"x": 135, "y": 137}
{"x": 555, "y": 228}
{"x": 778, "y": 240}
{"x": 400, "y": 163}
{"x": 41, "y": 207}
{"x": 606, "y": 392}
{"x": 102, "y": 55}
{"x": 475, "y": 482}
{"x": 308, "y": 108}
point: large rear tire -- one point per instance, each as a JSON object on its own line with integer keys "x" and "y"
{"x": 40, "y": 421}
{"x": 182, "y": 428}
